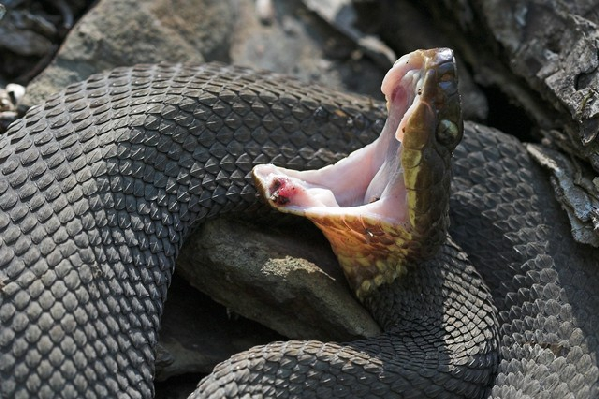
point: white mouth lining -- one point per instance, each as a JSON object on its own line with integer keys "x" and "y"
{"x": 372, "y": 184}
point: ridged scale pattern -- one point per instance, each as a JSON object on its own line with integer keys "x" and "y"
{"x": 98, "y": 189}
{"x": 544, "y": 284}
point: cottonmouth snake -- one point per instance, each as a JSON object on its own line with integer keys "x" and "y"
{"x": 101, "y": 184}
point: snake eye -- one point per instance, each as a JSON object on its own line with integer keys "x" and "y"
{"x": 447, "y": 132}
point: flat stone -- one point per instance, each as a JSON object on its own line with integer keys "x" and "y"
{"x": 286, "y": 280}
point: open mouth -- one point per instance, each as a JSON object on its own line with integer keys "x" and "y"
{"x": 376, "y": 193}
{"x": 369, "y": 182}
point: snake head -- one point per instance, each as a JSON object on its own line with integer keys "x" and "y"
{"x": 386, "y": 205}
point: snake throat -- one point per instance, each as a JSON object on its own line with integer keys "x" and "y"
{"x": 385, "y": 205}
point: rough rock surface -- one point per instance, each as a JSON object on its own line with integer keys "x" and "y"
{"x": 30, "y": 33}
{"x": 126, "y": 32}
{"x": 572, "y": 185}
{"x": 297, "y": 42}
{"x": 552, "y": 73}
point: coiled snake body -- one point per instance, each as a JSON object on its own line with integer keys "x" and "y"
{"x": 100, "y": 186}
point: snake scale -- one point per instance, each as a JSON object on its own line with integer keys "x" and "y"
{"x": 100, "y": 186}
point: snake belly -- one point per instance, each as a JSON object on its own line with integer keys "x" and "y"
{"x": 100, "y": 186}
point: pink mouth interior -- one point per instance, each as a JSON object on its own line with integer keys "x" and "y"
{"x": 369, "y": 182}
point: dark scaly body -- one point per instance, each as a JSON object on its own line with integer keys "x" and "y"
{"x": 99, "y": 188}
{"x": 543, "y": 283}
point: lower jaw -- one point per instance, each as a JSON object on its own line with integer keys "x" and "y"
{"x": 370, "y": 252}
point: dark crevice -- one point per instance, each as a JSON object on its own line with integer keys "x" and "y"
{"x": 505, "y": 112}
{"x": 507, "y": 116}
{"x": 177, "y": 386}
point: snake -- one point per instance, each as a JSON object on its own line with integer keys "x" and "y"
{"x": 101, "y": 185}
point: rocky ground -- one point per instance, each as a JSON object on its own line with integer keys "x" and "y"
{"x": 515, "y": 75}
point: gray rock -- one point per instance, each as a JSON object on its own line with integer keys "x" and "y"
{"x": 574, "y": 186}
{"x": 341, "y": 15}
{"x": 288, "y": 281}
{"x": 560, "y": 63}
{"x": 25, "y": 34}
{"x": 297, "y": 42}
{"x": 126, "y": 32}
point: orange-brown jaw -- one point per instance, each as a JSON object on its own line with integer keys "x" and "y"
{"x": 386, "y": 204}
{"x": 362, "y": 248}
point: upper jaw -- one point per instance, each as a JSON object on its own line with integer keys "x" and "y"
{"x": 358, "y": 184}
